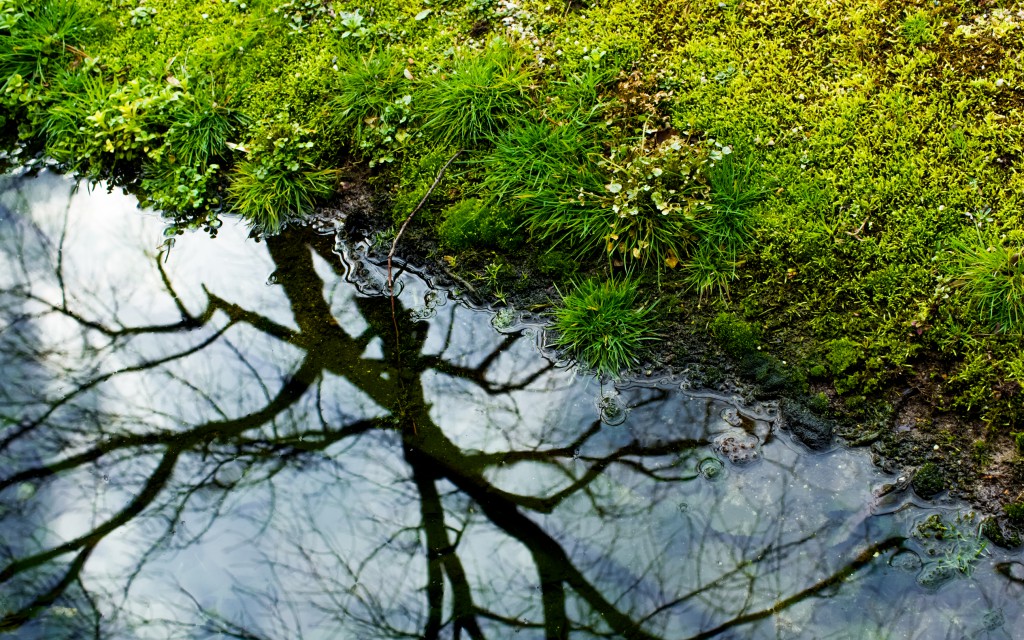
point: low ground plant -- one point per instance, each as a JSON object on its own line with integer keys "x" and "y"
{"x": 654, "y": 197}
{"x": 98, "y": 126}
{"x": 276, "y": 183}
{"x": 604, "y": 324}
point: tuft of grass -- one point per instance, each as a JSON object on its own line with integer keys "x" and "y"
{"x": 708, "y": 271}
{"x": 604, "y": 324}
{"x": 42, "y": 38}
{"x": 727, "y": 220}
{"x": 77, "y": 96}
{"x": 549, "y": 173}
{"x": 271, "y": 194}
{"x": 482, "y": 94}
{"x": 202, "y": 128}
{"x": 993, "y": 277}
{"x": 368, "y": 86}
{"x": 580, "y": 96}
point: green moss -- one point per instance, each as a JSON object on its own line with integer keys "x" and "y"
{"x": 1015, "y": 512}
{"x": 917, "y": 28}
{"x": 738, "y": 337}
{"x": 928, "y": 480}
{"x": 842, "y": 354}
{"x": 557, "y": 265}
{"x": 1000, "y": 537}
{"x": 473, "y": 224}
{"x": 818, "y": 403}
{"x": 411, "y": 181}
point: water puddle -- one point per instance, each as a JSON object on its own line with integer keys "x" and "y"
{"x": 239, "y": 440}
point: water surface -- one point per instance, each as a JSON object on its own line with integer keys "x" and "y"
{"x": 241, "y": 440}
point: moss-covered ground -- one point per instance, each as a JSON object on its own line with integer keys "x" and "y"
{"x": 831, "y": 189}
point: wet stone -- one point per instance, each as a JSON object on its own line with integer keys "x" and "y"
{"x": 807, "y": 427}
{"x": 934, "y": 576}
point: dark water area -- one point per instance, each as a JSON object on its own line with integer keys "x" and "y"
{"x": 241, "y": 440}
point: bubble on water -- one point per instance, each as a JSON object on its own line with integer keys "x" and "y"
{"x": 711, "y": 469}
{"x": 738, "y": 447}
{"x": 504, "y": 319}
{"x": 25, "y": 491}
{"x": 422, "y": 313}
{"x": 993, "y": 619}
{"x": 683, "y": 507}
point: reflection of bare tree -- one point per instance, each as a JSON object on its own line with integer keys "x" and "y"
{"x": 295, "y": 422}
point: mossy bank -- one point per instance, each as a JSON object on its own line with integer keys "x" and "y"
{"x": 832, "y": 190}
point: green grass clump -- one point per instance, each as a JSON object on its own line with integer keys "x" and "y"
{"x": 368, "y": 87}
{"x": 482, "y": 93}
{"x": 993, "y": 277}
{"x": 727, "y": 221}
{"x": 549, "y": 173}
{"x": 724, "y": 227}
{"x": 708, "y": 270}
{"x": 604, "y": 324}
{"x": 41, "y": 37}
{"x": 201, "y": 128}
{"x": 276, "y": 184}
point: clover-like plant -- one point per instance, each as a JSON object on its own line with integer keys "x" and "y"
{"x": 654, "y": 199}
